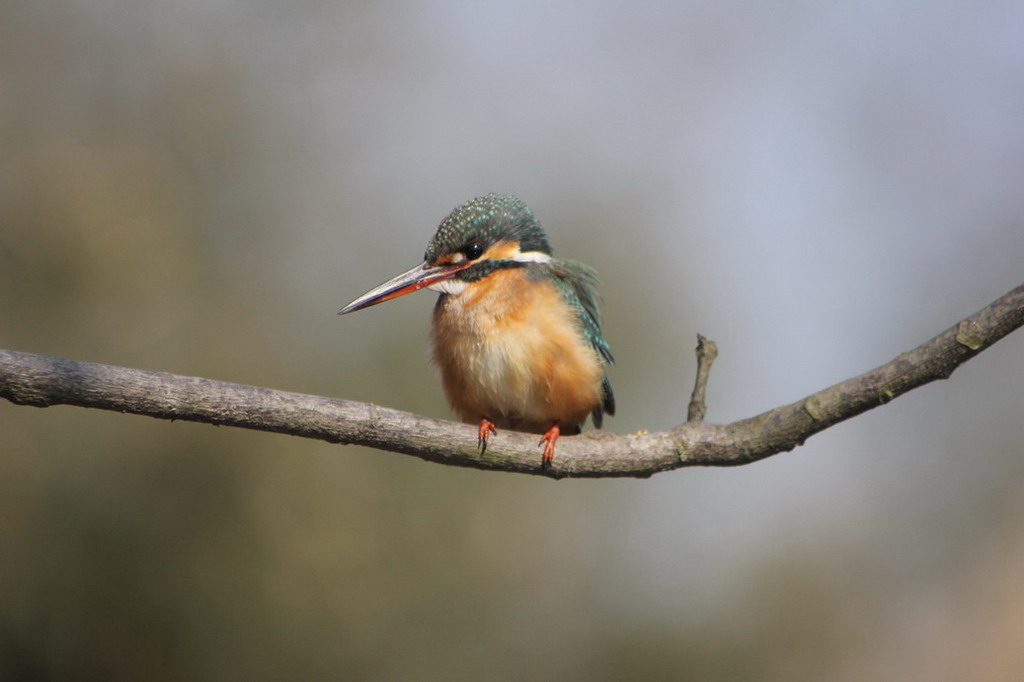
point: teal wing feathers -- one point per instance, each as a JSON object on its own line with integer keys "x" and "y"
{"x": 578, "y": 284}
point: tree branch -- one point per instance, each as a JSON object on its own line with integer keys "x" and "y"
{"x": 28, "y": 379}
{"x": 706, "y": 351}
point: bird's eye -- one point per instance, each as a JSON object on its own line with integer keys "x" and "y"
{"x": 473, "y": 250}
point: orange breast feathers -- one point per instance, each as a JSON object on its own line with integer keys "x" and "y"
{"x": 510, "y": 349}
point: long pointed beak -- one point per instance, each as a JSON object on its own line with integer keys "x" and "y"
{"x": 423, "y": 275}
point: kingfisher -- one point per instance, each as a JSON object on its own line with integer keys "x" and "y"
{"x": 516, "y": 333}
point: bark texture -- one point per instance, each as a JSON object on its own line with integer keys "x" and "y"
{"x": 42, "y": 381}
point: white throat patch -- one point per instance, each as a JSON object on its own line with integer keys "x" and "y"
{"x": 453, "y": 287}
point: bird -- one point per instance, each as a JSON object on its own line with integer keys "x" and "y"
{"x": 516, "y": 333}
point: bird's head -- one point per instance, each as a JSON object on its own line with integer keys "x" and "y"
{"x": 479, "y": 237}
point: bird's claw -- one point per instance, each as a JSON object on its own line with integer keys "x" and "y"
{"x": 549, "y": 438}
{"x": 486, "y": 429}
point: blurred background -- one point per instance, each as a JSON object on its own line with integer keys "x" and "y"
{"x": 197, "y": 187}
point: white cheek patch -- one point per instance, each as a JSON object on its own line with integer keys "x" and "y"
{"x": 531, "y": 257}
{"x": 453, "y": 287}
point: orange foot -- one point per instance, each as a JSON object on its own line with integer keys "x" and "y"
{"x": 486, "y": 429}
{"x": 549, "y": 449}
